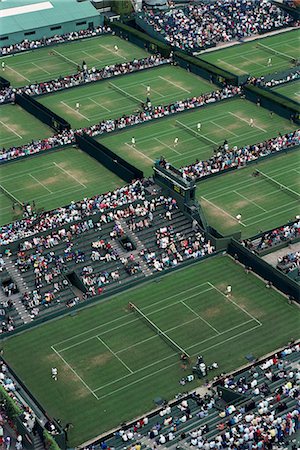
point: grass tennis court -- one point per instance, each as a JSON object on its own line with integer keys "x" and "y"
{"x": 290, "y": 90}
{"x": 18, "y": 127}
{"x": 253, "y": 56}
{"x": 53, "y": 180}
{"x": 105, "y": 354}
{"x": 113, "y": 98}
{"x": 48, "y": 63}
{"x": 261, "y": 201}
{"x": 225, "y": 120}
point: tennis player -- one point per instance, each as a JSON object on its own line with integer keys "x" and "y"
{"x": 269, "y": 62}
{"x": 116, "y": 48}
{"x": 251, "y": 123}
{"x": 133, "y": 142}
{"x": 54, "y": 373}
{"x": 148, "y": 90}
{"x": 3, "y": 65}
{"x": 77, "y": 106}
{"x": 176, "y": 140}
{"x": 198, "y": 127}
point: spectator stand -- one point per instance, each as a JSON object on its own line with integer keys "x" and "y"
{"x": 193, "y": 417}
{"x": 91, "y": 253}
{"x": 25, "y": 415}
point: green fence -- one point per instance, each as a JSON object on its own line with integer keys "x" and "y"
{"x": 263, "y": 269}
{"x": 273, "y": 101}
{"x": 42, "y": 113}
{"x": 108, "y": 159}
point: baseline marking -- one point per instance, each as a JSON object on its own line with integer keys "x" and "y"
{"x": 113, "y": 353}
{"x": 74, "y": 110}
{"x": 68, "y": 173}
{"x": 75, "y": 373}
{"x": 19, "y": 74}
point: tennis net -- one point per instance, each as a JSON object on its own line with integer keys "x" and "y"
{"x": 159, "y": 332}
{"x": 281, "y": 186}
{"x": 65, "y": 58}
{"x": 275, "y": 52}
{"x": 10, "y": 196}
{"x": 195, "y": 133}
{"x": 126, "y": 94}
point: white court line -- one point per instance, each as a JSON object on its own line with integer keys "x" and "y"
{"x": 136, "y": 320}
{"x": 4, "y": 124}
{"x": 113, "y": 52}
{"x": 114, "y": 354}
{"x": 245, "y": 184}
{"x": 270, "y": 215}
{"x": 238, "y": 306}
{"x": 74, "y": 110}
{"x": 75, "y": 373}
{"x": 91, "y": 56}
{"x": 253, "y": 62}
{"x": 171, "y": 365}
{"x": 41, "y": 68}
{"x": 35, "y": 179}
{"x": 166, "y": 145}
{"x": 141, "y": 153}
{"x": 244, "y": 120}
{"x": 101, "y": 106}
{"x": 251, "y": 201}
{"x": 153, "y": 90}
{"x": 19, "y": 74}
{"x": 69, "y": 174}
{"x": 201, "y": 318}
{"x": 174, "y": 84}
{"x": 231, "y": 65}
{"x": 271, "y": 210}
{"x": 225, "y": 212}
{"x": 225, "y": 129}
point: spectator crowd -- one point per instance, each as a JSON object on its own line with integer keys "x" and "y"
{"x": 56, "y": 39}
{"x": 146, "y": 114}
{"x": 260, "y": 81}
{"x": 83, "y": 76}
{"x": 272, "y": 238}
{"x": 206, "y": 24}
{"x": 226, "y": 158}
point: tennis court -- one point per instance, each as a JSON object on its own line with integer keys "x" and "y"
{"x": 52, "y": 180}
{"x": 253, "y": 57}
{"x": 228, "y": 120}
{"x": 113, "y": 98}
{"x": 290, "y": 90}
{"x": 48, "y": 63}
{"x": 264, "y": 201}
{"x": 18, "y": 127}
{"x": 106, "y": 354}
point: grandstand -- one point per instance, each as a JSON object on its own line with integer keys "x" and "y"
{"x": 149, "y": 225}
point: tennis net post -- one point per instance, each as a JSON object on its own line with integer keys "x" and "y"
{"x": 159, "y": 332}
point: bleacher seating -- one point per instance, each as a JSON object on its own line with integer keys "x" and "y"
{"x": 266, "y": 412}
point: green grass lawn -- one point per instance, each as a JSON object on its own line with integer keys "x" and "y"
{"x": 111, "y": 365}
{"x": 290, "y": 90}
{"x": 225, "y": 120}
{"x": 261, "y": 202}
{"x": 252, "y": 57}
{"x": 53, "y": 180}
{"x": 49, "y": 63}
{"x": 18, "y": 127}
{"x": 104, "y": 100}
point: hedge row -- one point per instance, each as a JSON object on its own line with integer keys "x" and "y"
{"x": 12, "y": 409}
{"x": 274, "y": 97}
{"x": 49, "y": 441}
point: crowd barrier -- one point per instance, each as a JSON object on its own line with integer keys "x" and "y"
{"x": 265, "y": 270}
{"x": 275, "y": 102}
{"x": 108, "y": 159}
{"x": 42, "y": 113}
{"x": 4, "y": 83}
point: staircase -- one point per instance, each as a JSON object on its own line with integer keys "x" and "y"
{"x": 22, "y": 287}
{"x": 139, "y": 246}
{"x": 37, "y": 443}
